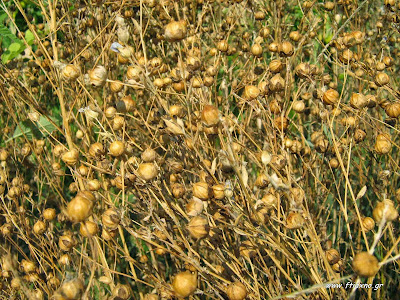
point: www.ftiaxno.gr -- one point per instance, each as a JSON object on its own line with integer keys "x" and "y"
{"x": 351, "y": 285}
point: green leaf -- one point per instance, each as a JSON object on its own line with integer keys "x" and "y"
{"x": 14, "y": 47}
{"x": 3, "y": 17}
{"x": 29, "y": 37}
{"x": 35, "y": 129}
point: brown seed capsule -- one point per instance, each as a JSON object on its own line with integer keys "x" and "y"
{"x": 273, "y": 47}
{"x": 295, "y": 36}
{"x": 198, "y": 227}
{"x": 365, "y": 264}
{"x": 71, "y": 157}
{"x": 178, "y": 190}
{"x": 177, "y": 111}
{"x": 149, "y": 155}
{"x": 367, "y": 223}
{"x": 256, "y": 50}
{"x": 66, "y": 242}
{"x": 236, "y": 291}
{"x": 329, "y": 5}
{"x": 223, "y": 46}
{"x": 175, "y": 30}
{"x": 98, "y": 76}
{"x": 49, "y": 214}
{"x": 286, "y": 49}
{"x": 219, "y": 191}
{"x": 210, "y": 115}
{"x": 201, "y": 190}
{"x": 80, "y": 207}
{"x": 117, "y": 148}
{"x": 251, "y": 92}
{"x": 111, "y": 219}
{"x": 393, "y": 110}
{"x": 294, "y": 220}
{"x": 116, "y": 86}
{"x": 359, "y": 135}
{"x": 275, "y": 66}
{"x": 332, "y": 255}
{"x": 134, "y": 73}
{"x": 147, "y": 171}
{"x": 121, "y": 292}
{"x": 27, "y": 266}
{"x": 281, "y": 123}
{"x": 381, "y": 79}
{"x": 269, "y": 200}
{"x": 70, "y": 72}
{"x": 89, "y": 229}
{"x": 358, "y": 101}
{"x": 330, "y": 97}
{"x": 150, "y": 296}
{"x": 385, "y": 209}
{"x": 126, "y": 104}
{"x": 72, "y": 289}
{"x": 39, "y": 227}
{"x": 184, "y": 284}
{"x": 96, "y": 150}
{"x": 194, "y": 207}
{"x": 382, "y": 144}
{"x": 276, "y": 83}
{"x": 298, "y": 106}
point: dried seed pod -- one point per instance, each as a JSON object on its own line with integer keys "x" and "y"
{"x": 178, "y": 190}
{"x": 70, "y": 72}
{"x": 381, "y": 79}
{"x": 330, "y": 97}
{"x": 72, "y": 289}
{"x": 150, "y": 296}
{"x": 117, "y": 148}
{"x": 177, "y": 111}
{"x": 219, "y": 191}
{"x": 201, "y": 191}
{"x": 281, "y": 123}
{"x": 39, "y": 227}
{"x": 299, "y": 106}
{"x": 358, "y": 101}
{"x": 147, "y": 171}
{"x": 66, "y": 242}
{"x": 269, "y": 200}
{"x": 80, "y": 207}
{"x": 334, "y": 163}
{"x": 383, "y": 144}
{"x": 386, "y": 210}
{"x": 198, "y": 227}
{"x": 339, "y": 266}
{"x": 236, "y": 291}
{"x": 275, "y": 66}
{"x": 118, "y": 123}
{"x": 393, "y": 110}
{"x": 276, "y": 83}
{"x": 149, "y": 155}
{"x": 210, "y": 115}
{"x": 49, "y": 214}
{"x": 126, "y": 104}
{"x": 303, "y": 70}
{"x": 223, "y": 46}
{"x": 184, "y": 284}
{"x": 367, "y": 223}
{"x": 251, "y": 92}
{"x": 134, "y": 73}
{"x": 194, "y": 207}
{"x": 365, "y": 264}
{"x": 175, "y": 30}
{"x": 286, "y": 49}
{"x": 294, "y": 220}
{"x": 295, "y": 36}
{"x": 71, "y": 157}
{"x": 332, "y": 255}
{"x": 256, "y": 50}
{"x": 116, "y": 86}
{"x": 111, "y": 219}
{"x": 96, "y": 150}
{"x": 121, "y": 292}
{"x": 359, "y": 135}
{"x": 98, "y": 76}
{"x": 89, "y": 229}
{"x": 346, "y": 56}
{"x": 261, "y": 181}
{"x": 28, "y": 266}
